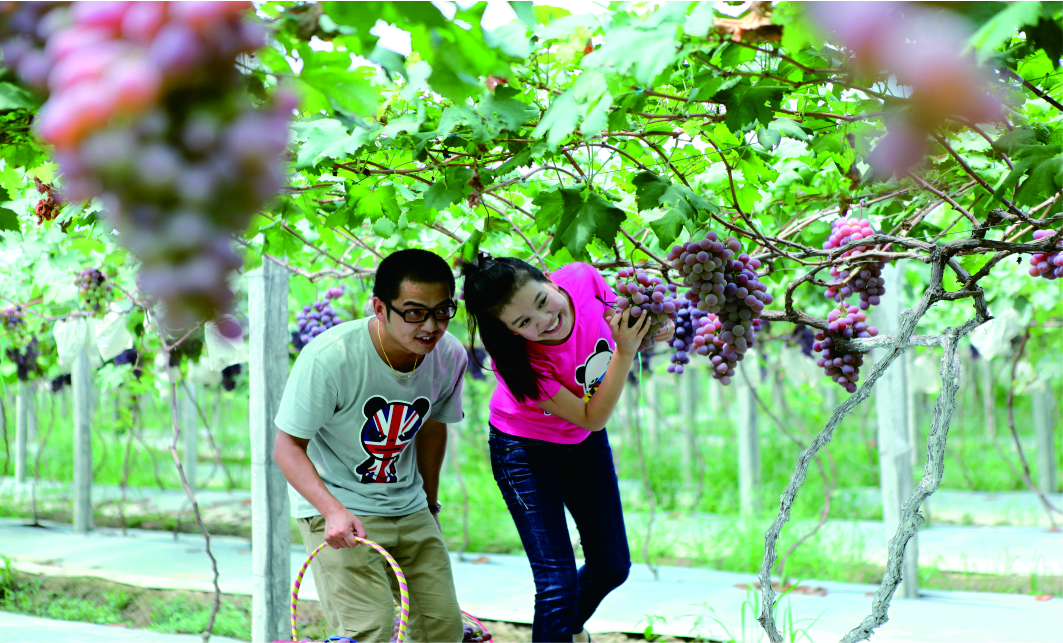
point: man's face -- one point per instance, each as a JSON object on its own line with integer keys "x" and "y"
{"x": 421, "y": 337}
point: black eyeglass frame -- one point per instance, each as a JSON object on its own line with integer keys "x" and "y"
{"x": 434, "y": 312}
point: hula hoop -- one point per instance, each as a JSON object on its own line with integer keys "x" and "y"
{"x": 404, "y": 592}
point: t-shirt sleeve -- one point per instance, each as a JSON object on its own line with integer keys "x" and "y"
{"x": 309, "y": 400}
{"x": 448, "y": 409}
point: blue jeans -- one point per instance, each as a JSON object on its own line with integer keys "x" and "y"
{"x": 538, "y": 479}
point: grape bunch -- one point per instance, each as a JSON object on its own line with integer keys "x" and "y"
{"x": 726, "y": 284}
{"x": 59, "y": 382}
{"x": 25, "y": 360}
{"x": 48, "y": 207}
{"x": 147, "y": 112}
{"x": 228, "y": 376}
{"x": 843, "y": 367}
{"x": 13, "y": 321}
{"x": 1047, "y": 265}
{"x": 316, "y": 318}
{"x": 683, "y": 342}
{"x": 646, "y": 295}
{"x": 868, "y": 281}
{"x": 130, "y": 356}
{"x": 473, "y": 634}
{"x": 95, "y": 291}
{"x": 804, "y": 337}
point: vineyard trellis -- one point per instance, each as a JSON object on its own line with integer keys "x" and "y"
{"x": 616, "y": 138}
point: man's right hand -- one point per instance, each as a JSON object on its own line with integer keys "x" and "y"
{"x": 341, "y": 527}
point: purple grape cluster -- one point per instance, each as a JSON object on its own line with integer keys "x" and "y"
{"x": 1047, "y": 265}
{"x": 648, "y": 295}
{"x": 683, "y": 342}
{"x": 25, "y": 359}
{"x": 95, "y": 291}
{"x": 473, "y": 634}
{"x": 804, "y": 337}
{"x": 228, "y": 376}
{"x": 867, "y": 282}
{"x": 725, "y": 283}
{"x": 13, "y": 321}
{"x": 130, "y": 356}
{"x": 843, "y": 367}
{"x": 59, "y": 382}
{"x": 316, "y": 318}
{"x": 147, "y": 111}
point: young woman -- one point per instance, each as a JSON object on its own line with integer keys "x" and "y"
{"x": 561, "y": 356}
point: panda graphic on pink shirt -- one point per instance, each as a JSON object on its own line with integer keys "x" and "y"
{"x": 592, "y": 372}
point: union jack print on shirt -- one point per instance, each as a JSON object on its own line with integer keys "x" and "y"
{"x": 389, "y": 428}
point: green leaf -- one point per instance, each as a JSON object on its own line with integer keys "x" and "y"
{"x": 1047, "y": 35}
{"x": 748, "y": 104}
{"x": 384, "y": 228}
{"x": 1002, "y": 26}
{"x": 450, "y": 190}
{"x": 471, "y": 247}
{"x": 642, "y": 53}
{"x": 559, "y": 121}
{"x": 349, "y": 90}
{"x": 9, "y": 220}
{"x": 649, "y": 188}
{"x": 789, "y": 129}
{"x": 579, "y": 216}
{"x": 668, "y": 227}
{"x": 768, "y": 137}
{"x": 374, "y": 202}
{"x": 327, "y": 138}
{"x": 14, "y": 97}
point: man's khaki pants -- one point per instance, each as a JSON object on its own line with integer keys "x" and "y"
{"x": 357, "y": 587}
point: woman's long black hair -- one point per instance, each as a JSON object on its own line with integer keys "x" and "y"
{"x": 490, "y": 284}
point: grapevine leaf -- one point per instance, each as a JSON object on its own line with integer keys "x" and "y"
{"x": 748, "y": 104}
{"x": 8, "y": 220}
{"x": 584, "y": 216}
{"x": 668, "y": 227}
{"x": 768, "y": 137}
{"x": 559, "y": 121}
{"x": 14, "y": 97}
{"x": 789, "y": 129}
{"x": 649, "y": 188}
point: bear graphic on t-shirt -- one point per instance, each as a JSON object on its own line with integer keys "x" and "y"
{"x": 389, "y": 428}
{"x": 592, "y": 372}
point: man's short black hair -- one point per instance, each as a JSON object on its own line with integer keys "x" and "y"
{"x": 418, "y": 266}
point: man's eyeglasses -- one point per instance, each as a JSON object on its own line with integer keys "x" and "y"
{"x": 418, "y": 315}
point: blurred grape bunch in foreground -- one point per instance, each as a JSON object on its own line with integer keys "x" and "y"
{"x": 922, "y": 48}
{"x": 147, "y": 111}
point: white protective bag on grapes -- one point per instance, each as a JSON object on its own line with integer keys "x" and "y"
{"x": 222, "y": 351}
{"x": 71, "y": 336}
{"x": 112, "y": 337}
{"x": 201, "y": 372}
{"x": 994, "y": 337}
{"x": 799, "y": 369}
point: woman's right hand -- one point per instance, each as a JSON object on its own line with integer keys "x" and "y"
{"x": 628, "y": 338}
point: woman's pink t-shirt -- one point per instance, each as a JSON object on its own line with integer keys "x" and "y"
{"x": 579, "y": 363}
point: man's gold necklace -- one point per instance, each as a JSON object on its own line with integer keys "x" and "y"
{"x": 381, "y": 340}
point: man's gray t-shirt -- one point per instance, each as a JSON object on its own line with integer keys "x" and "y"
{"x": 361, "y": 419}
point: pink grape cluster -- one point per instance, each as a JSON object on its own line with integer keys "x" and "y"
{"x": 147, "y": 111}
{"x": 95, "y": 291}
{"x": 843, "y": 367}
{"x": 1048, "y": 265}
{"x": 13, "y": 321}
{"x": 868, "y": 282}
{"x": 646, "y": 295}
{"x": 316, "y": 318}
{"x": 725, "y": 283}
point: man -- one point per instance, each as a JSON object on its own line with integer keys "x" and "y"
{"x": 362, "y": 433}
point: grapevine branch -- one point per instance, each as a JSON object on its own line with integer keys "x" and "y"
{"x": 935, "y": 292}
{"x": 911, "y": 519}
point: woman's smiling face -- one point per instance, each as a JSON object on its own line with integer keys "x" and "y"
{"x": 539, "y": 312}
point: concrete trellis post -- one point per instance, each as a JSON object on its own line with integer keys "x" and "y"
{"x": 23, "y": 400}
{"x": 270, "y": 511}
{"x": 749, "y": 496}
{"x": 894, "y": 447}
{"x": 1045, "y": 437}
{"x": 80, "y": 381}
{"x": 688, "y": 393}
{"x": 31, "y": 419}
{"x": 987, "y": 399}
{"x": 189, "y": 416}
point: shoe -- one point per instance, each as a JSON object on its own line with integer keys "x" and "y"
{"x": 582, "y": 637}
